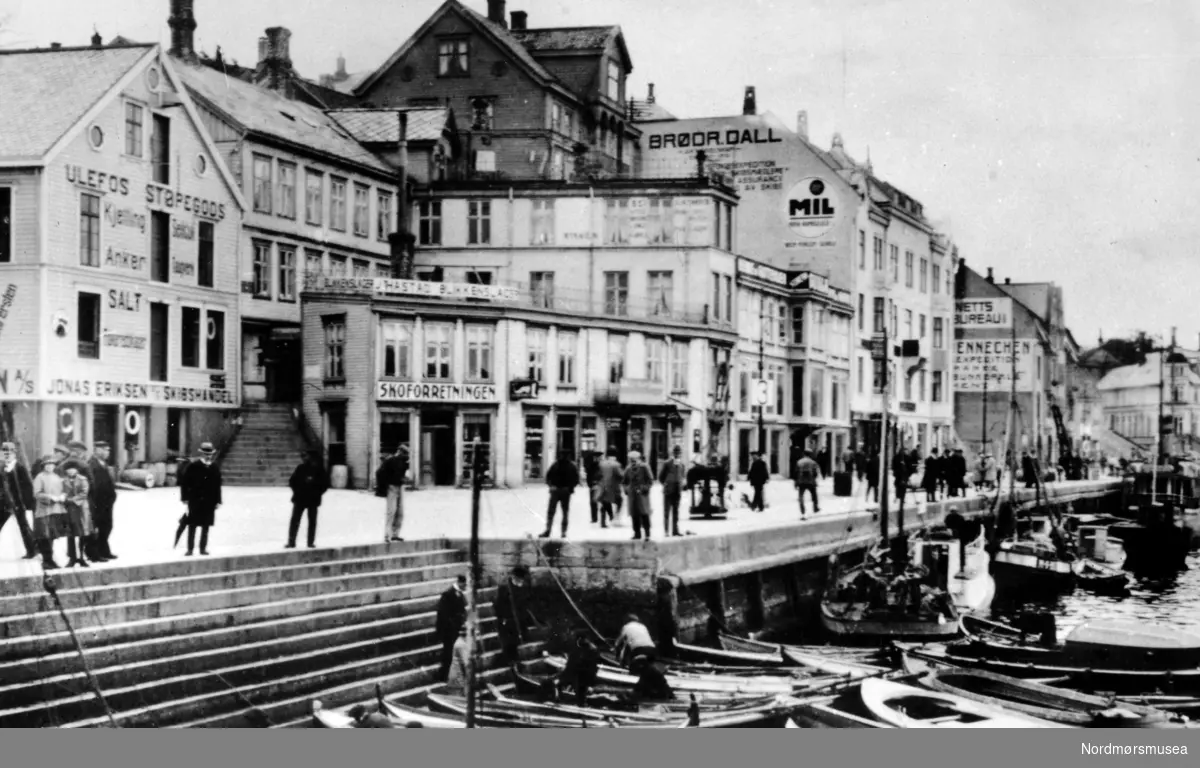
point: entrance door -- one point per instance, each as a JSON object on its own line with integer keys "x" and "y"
{"x": 659, "y": 448}
{"x": 104, "y": 426}
{"x": 437, "y": 448}
{"x": 743, "y": 466}
{"x": 615, "y": 437}
{"x": 284, "y": 372}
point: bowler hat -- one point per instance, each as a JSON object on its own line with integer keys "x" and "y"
{"x": 60, "y": 448}
{"x": 207, "y": 449}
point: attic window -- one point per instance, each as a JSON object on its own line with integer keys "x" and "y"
{"x": 453, "y": 59}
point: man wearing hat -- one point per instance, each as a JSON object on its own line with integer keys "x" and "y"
{"x": 672, "y": 476}
{"x": 389, "y": 481}
{"x": 16, "y": 496}
{"x": 308, "y": 483}
{"x": 509, "y": 610}
{"x": 200, "y": 490}
{"x": 638, "y": 481}
{"x": 103, "y": 499}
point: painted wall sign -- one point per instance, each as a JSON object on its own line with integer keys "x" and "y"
{"x": 16, "y": 382}
{"x": 718, "y": 138}
{"x": 640, "y": 392}
{"x": 182, "y": 268}
{"x": 983, "y": 313}
{"x": 387, "y": 286}
{"x": 446, "y": 393}
{"x": 124, "y": 342}
{"x": 976, "y": 358}
{"x": 127, "y": 300}
{"x": 124, "y": 260}
{"x": 124, "y": 217}
{"x": 812, "y": 207}
{"x": 6, "y": 302}
{"x": 133, "y": 422}
{"x": 172, "y": 198}
{"x": 99, "y": 389}
{"x": 762, "y": 271}
{"x": 183, "y": 230}
{"x": 97, "y": 180}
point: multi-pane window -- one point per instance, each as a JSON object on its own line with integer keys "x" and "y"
{"x": 535, "y": 345}
{"x": 439, "y": 350}
{"x": 616, "y": 293}
{"x": 313, "y": 261}
{"x": 337, "y": 266}
{"x": 938, "y": 333}
{"x": 362, "y": 210}
{"x": 134, "y": 129}
{"x": 613, "y": 81}
{"x": 383, "y": 215}
{"x": 908, "y": 324}
{"x": 660, "y": 222}
{"x": 337, "y": 203}
{"x": 314, "y": 197}
{"x": 878, "y": 325}
{"x": 862, "y": 311}
{"x": 479, "y": 352}
{"x": 936, "y": 394}
{"x": 335, "y": 347}
{"x": 616, "y": 222}
{"x": 616, "y": 358}
{"x": 262, "y": 184}
{"x": 656, "y": 360}
{"x": 453, "y": 60}
{"x": 88, "y": 320}
{"x": 862, "y": 250}
{"x": 568, "y": 349}
{"x": 160, "y": 246}
{"x": 479, "y": 222}
{"x": 541, "y": 286}
{"x": 937, "y": 279}
{"x": 798, "y": 324}
{"x": 361, "y": 269}
{"x": 429, "y": 222}
{"x": 287, "y": 190}
{"x": 215, "y": 341}
{"x": 397, "y": 349}
{"x": 189, "y": 328}
{"x": 894, "y": 262}
{"x": 908, "y": 269}
{"x": 89, "y": 230}
{"x": 878, "y": 254}
{"x": 661, "y": 289}
{"x": 542, "y": 225}
{"x": 204, "y": 259}
{"x": 924, "y": 275}
{"x": 287, "y": 274}
{"x": 262, "y": 270}
{"x": 679, "y": 366}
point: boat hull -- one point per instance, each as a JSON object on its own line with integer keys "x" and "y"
{"x": 843, "y": 621}
{"x": 905, "y": 706}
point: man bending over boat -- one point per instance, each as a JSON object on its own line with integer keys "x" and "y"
{"x": 635, "y": 649}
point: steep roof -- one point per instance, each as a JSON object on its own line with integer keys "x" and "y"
{"x": 649, "y": 111}
{"x": 47, "y": 91}
{"x": 266, "y": 112}
{"x": 1137, "y": 376}
{"x": 381, "y": 126}
{"x": 572, "y": 39}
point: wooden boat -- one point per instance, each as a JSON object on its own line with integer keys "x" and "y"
{"x": 845, "y": 710}
{"x": 1034, "y": 560}
{"x": 1047, "y": 703}
{"x": 832, "y": 665}
{"x": 1101, "y": 578}
{"x": 726, "y": 657}
{"x": 403, "y": 717}
{"x": 864, "y": 655}
{"x": 326, "y": 718}
{"x": 621, "y": 697}
{"x": 1098, "y": 643}
{"x": 904, "y": 706}
{"x": 961, "y": 567}
{"x": 695, "y": 683}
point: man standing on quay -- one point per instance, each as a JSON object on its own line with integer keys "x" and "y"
{"x": 200, "y": 490}
{"x": 308, "y": 484}
{"x": 562, "y": 479}
{"x": 389, "y": 482}
{"x": 672, "y": 477}
{"x": 758, "y": 477}
{"x": 103, "y": 499}
{"x": 807, "y": 473}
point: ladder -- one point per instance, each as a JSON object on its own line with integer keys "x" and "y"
{"x": 1066, "y": 453}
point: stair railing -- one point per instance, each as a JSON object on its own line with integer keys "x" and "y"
{"x": 223, "y": 440}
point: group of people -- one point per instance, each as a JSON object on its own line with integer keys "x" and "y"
{"x": 70, "y": 495}
{"x": 510, "y": 608}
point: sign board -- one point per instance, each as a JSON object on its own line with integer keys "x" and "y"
{"x": 760, "y": 391}
{"x": 406, "y": 391}
{"x": 113, "y": 390}
{"x": 811, "y": 207}
{"x": 389, "y": 286}
{"x": 975, "y": 359}
{"x": 983, "y": 313}
{"x": 523, "y": 389}
{"x": 216, "y": 380}
{"x": 762, "y": 271}
{"x": 640, "y": 392}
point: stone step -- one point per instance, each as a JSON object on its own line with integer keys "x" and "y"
{"x": 190, "y": 697}
{"x": 27, "y": 646}
{"x": 118, "y": 592}
{"x": 130, "y": 686}
{"x": 16, "y": 671}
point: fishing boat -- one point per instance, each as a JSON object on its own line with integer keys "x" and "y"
{"x": 402, "y": 716}
{"x": 1029, "y": 560}
{"x": 727, "y": 657}
{"x": 1102, "y": 578}
{"x": 958, "y": 562}
{"x": 844, "y": 710}
{"x": 864, "y": 655}
{"x": 622, "y": 698}
{"x": 905, "y": 706}
{"x": 694, "y": 683}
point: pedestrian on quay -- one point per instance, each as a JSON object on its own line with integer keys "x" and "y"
{"x": 758, "y": 477}
{"x": 451, "y": 618}
{"x": 102, "y": 501}
{"x": 510, "y": 610}
{"x": 956, "y": 480}
{"x": 79, "y": 517}
{"x": 562, "y": 478}
{"x": 807, "y": 473}
{"x": 612, "y": 476}
{"x": 200, "y": 490}
{"x": 308, "y": 483}
{"x": 389, "y": 482}
{"x": 872, "y": 475}
{"x": 823, "y": 461}
{"x": 673, "y": 478}
{"x": 638, "y": 482}
{"x": 592, "y": 473}
{"x": 50, "y": 519}
{"x": 933, "y": 476}
{"x": 860, "y": 464}
{"x": 16, "y": 497}
{"x": 901, "y": 473}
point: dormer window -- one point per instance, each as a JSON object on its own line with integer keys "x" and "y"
{"x": 452, "y": 58}
{"x": 613, "y": 90}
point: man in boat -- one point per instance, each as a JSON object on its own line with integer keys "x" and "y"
{"x": 635, "y": 649}
{"x": 1029, "y": 470}
{"x": 451, "y": 617}
{"x": 583, "y": 665}
{"x": 672, "y": 477}
{"x": 509, "y": 609}
{"x": 363, "y": 718}
{"x": 807, "y": 473}
{"x": 562, "y": 478}
{"x": 758, "y": 477}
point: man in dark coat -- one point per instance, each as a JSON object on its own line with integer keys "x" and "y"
{"x": 562, "y": 478}
{"x": 1029, "y": 470}
{"x": 901, "y": 472}
{"x": 758, "y": 477}
{"x": 509, "y": 609}
{"x": 308, "y": 483}
{"x": 672, "y": 477}
{"x": 451, "y": 617}
{"x": 16, "y": 496}
{"x": 933, "y": 475}
{"x": 103, "y": 499}
{"x": 200, "y": 490}
{"x": 389, "y": 483}
{"x": 957, "y": 473}
{"x": 592, "y": 472}
{"x": 872, "y": 475}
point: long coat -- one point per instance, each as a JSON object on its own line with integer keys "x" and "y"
{"x": 456, "y": 680}
{"x": 50, "y": 519}
{"x": 308, "y": 483}
{"x": 103, "y": 492}
{"x": 201, "y": 489}
{"x": 758, "y": 474}
{"x": 451, "y": 614}
{"x": 20, "y": 488}
{"x": 639, "y": 480}
{"x": 611, "y": 477}
{"x": 79, "y": 510}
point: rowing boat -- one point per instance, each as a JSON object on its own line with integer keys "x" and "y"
{"x": 727, "y": 657}
{"x": 732, "y": 643}
{"x": 694, "y": 683}
{"x": 904, "y": 706}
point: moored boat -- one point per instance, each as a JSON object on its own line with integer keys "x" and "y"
{"x": 1035, "y": 561}
{"x": 728, "y": 657}
{"x": 905, "y": 706}
{"x": 869, "y": 603}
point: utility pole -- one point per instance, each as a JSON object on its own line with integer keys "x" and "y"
{"x": 984, "y": 437}
{"x": 883, "y": 438}
{"x": 478, "y": 467}
{"x": 762, "y": 429}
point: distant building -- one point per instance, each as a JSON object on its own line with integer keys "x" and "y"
{"x": 1135, "y": 395}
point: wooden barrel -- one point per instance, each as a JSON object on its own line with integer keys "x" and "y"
{"x": 160, "y": 473}
{"x": 143, "y": 478}
{"x": 339, "y": 475}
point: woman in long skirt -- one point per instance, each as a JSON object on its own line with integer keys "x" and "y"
{"x": 50, "y": 520}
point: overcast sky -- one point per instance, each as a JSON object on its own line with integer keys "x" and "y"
{"x": 1052, "y": 140}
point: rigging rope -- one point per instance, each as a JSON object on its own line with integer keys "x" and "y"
{"x": 52, "y": 589}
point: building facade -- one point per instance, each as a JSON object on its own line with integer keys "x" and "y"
{"x": 545, "y": 318}
{"x": 1135, "y": 396}
{"x": 119, "y": 257}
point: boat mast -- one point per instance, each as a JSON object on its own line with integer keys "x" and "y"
{"x": 478, "y": 467}
{"x": 883, "y": 438}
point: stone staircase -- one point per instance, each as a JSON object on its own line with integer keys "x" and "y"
{"x": 267, "y": 447}
{"x": 207, "y": 642}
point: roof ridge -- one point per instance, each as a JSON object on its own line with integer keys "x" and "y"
{"x": 76, "y": 48}
{"x": 559, "y": 29}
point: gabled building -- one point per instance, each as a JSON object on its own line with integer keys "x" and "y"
{"x": 119, "y": 247}
{"x": 532, "y": 103}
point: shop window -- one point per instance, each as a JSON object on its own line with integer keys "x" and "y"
{"x": 89, "y": 230}
{"x": 159, "y": 328}
{"x": 394, "y": 431}
{"x": 88, "y": 332}
{"x": 587, "y": 435}
{"x": 476, "y": 426}
{"x": 189, "y": 343}
{"x": 160, "y": 246}
{"x": 534, "y": 446}
{"x": 204, "y": 260}
{"x": 215, "y": 341}
{"x": 565, "y": 435}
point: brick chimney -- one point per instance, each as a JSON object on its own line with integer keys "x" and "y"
{"x": 496, "y": 12}
{"x": 278, "y": 60}
{"x": 650, "y": 94}
{"x": 183, "y": 27}
{"x": 341, "y": 68}
{"x": 97, "y": 41}
{"x": 520, "y": 19}
{"x": 990, "y": 278}
{"x": 749, "y": 105}
{"x": 802, "y": 124}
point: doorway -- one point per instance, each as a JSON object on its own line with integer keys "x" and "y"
{"x": 615, "y": 437}
{"x": 437, "y": 448}
{"x": 284, "y": 370}
{"x": 743, "y": 457}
